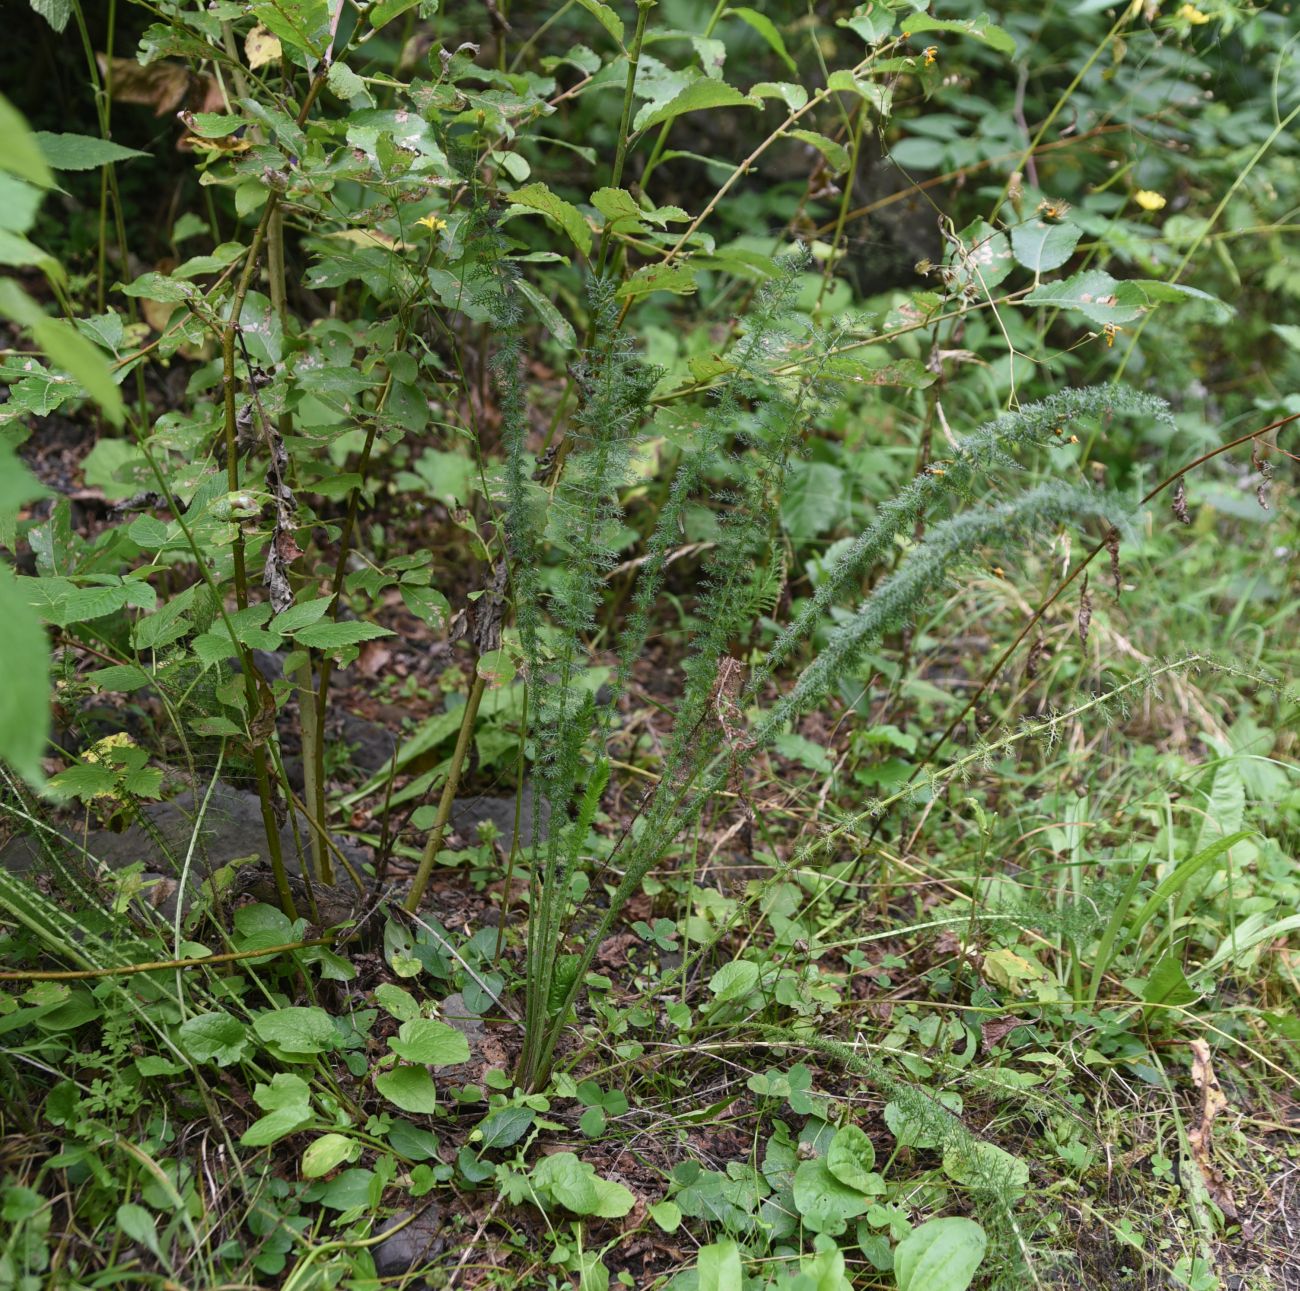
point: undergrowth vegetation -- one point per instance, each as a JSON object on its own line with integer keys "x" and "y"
{"x": 648, "y": 645}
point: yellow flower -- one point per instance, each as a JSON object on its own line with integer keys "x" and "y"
{"x": 1148, "y": 200}
{"x": 1190, "y": 13}
{"x": 931, "y": 53}
{"x": 432, "y": 223}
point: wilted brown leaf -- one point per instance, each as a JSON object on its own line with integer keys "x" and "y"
{"x": 1200, "y": 1136}
{"x": 261, "y": 47}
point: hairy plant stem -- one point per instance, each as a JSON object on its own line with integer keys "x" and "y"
{"x": 439, "y": 830}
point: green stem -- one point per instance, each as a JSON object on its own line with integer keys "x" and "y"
{"x": 434, "y": 845}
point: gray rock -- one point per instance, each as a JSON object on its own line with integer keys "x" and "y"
{"x": 231, "y": 830}
{"x": 412, "y": 1246}
{"x": 468, "y": 813}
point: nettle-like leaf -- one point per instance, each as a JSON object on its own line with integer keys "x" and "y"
{"x": 218, "y": 1038}
{"x": 576, "y": 1186}
{"x": 734, "y": 981}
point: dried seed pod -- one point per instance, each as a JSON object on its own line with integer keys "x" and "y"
{"x": 1180, "y": 502}
{"x": 1085, "y": 612}
{"x": 1112, "y": 546}
{"x": 1037, "y": 653}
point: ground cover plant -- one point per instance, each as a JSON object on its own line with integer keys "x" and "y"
{"x": 648, "y": 645}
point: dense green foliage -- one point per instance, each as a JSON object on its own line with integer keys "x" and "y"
{"x": 797, "y": 497}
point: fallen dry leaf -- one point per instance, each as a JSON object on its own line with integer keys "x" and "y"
{"x": 1200, "y": 1136}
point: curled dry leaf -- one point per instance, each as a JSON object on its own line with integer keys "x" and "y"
{"x": 1112, "y": 547}
{"x": 1179, "y": 502}
{"x": 1085, "y": 612}
{"x": 1200, "y": 1136}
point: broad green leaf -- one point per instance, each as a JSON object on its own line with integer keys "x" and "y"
{"x": 17, "y": 484}
{"x": 20, "y": 154}
{"x": 138, "y": 1225}
{"x": 983, "y": 1165}
{"x": 537, "y": 197}
{"x": 1167, "y": 984}
{"x": 980, "y": 28}
{"x": 55, "y": 12}
{"x": 328, "y": 1153}
{"x": 698, "y": 96}
{"x": 734, "y": 981}
{"x": 506, "y": 1127}
{"x": 433, "y": 1043}
{"x": 25, "y": 694}
{"x": 1093, "y": 292}
{"x": 81, "y": 151}
{"x": 555, "y": 322}
{"x": 667, "y": 1214}
{"x": 410, "y": 1088}
{"x": 304, "y": 24}
{"x": 825, "y": 1203}
{"x": 218, "y": 1038}
{"x": 287, "y": 1102}
{"x": 679, "y": 279}
{"x": 576, "y": 1186}
{"x": 719, "y": 1267}
{"x": 792, "y": 95}
{"x": 1040, "y": 246}
{"x": 66, "y": 348}
{"x": 766, "y": 28}
{"x": 835, "y": 153}
{"x": 334, "y": 636}
{"x": 850, "y": 1159}
{"x": 297, "y": 1030}
{"x": 384, "y": 11}
{"x": 940, "y": 1255}
{"x": 302, "y": 615}
{"x": 607, "y": 18}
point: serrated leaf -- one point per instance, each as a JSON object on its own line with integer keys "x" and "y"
{"x": 537, "y": 197}
{"x": 607, "y": 18}
{"x": 334, "y": 636}
{"x": 679, "y": 279}
{"x": 302, "y": 615}
{"x": 734, "y": 981}
{"x": 384, "y": 11}
{"x": 698, "y": 96}
{"x": 218, "y": 1038}
{"x": 81, "y": 151}
{"x": 55, "y": 12}
{"x": 1041, "y": 246}
{"x": 980, "y": 28}
{"x": 66, "y": 348}
{"x": 1093, "y": 292}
